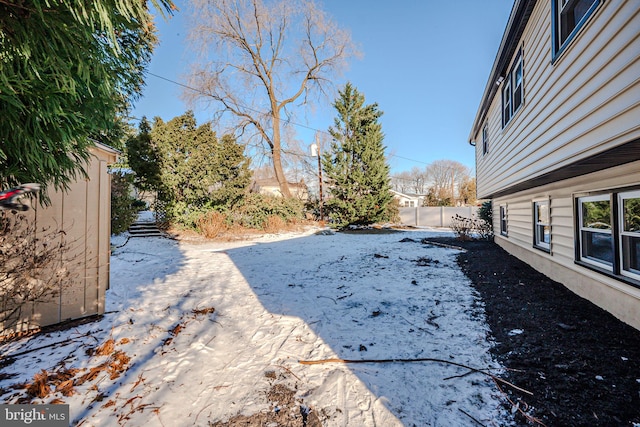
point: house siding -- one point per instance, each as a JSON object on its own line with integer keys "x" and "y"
{"x": 584, "y": 103}
{"x": 619, "y": 298}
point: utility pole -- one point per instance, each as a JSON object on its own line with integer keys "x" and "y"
{"x": 315, "y": 152}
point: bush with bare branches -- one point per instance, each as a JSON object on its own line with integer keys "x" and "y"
{"x": 33, "y": 267}
{"x": 471, "y": 228}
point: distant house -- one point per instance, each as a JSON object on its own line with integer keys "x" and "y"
{"x": 557, "y": 140}
{"x": 408, "y": 200}
{"x": 84, "y": 214}
{"x": 271, "y": 187}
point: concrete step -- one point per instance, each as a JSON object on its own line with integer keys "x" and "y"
{"x": 145, "y": 229}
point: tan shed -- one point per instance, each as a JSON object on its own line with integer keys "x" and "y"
{"x": 84, "y": 214}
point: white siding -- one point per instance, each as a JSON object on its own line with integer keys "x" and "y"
{"x": 586, "y": 102}
{"x": 621, "y": 299}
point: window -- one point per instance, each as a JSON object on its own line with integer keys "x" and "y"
{"x": 542, "y": 225}
{"x": 608, "y": 234}
{"x": 568, "y": 17}
{"x": 594, "y": 220}
{"x": 503, "y": 220}
{"x": 629, "y": 217}
{"x": 512, "y": 91}
{"x": 485, "y": 139}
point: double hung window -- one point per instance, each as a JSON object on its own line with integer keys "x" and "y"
{"x": 485, "y": 139}
{"x": 512, "y": 91}
{"x": 503, "y": 220}
{"x": 629, "y": 206}
{"x": 568, "y": 17}
{"x": 608, "y": 237}
{"x": 542, "y": 225}
{"x": 596, "y": 240}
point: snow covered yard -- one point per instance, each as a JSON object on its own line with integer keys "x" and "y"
{"x": 201, "y": 333}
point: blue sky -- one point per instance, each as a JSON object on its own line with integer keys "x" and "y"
{"x": 425, "y": 62}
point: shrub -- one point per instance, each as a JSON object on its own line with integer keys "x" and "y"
{"x": 471, "y": 228}
{"x": 255, "y": 210}
{"x": 392, "y": 213}
{"x": 273, "y": 224}
{"x": 485, "y": 213}
{"x": 123, "y": 210}
{"x": 212, "y": 224}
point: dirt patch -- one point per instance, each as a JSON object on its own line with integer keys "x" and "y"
{"x": 581, "y": 363}
{"x": 285, "y": 410}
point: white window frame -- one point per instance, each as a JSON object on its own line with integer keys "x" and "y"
{"x": 506, "y": 102}
{"x": 485, "y": 139}
{"x": 503, "y": 220}
{"x": 517, "y": 85}
{"x": 509, "y": 109}
{"x": 634, "y": 274}
{"x": 582, "y": 228}
{"x": 538, "y": 238}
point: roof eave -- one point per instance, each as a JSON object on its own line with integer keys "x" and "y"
{"x": 520, "y": 14}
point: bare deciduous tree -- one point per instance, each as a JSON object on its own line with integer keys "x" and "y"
{"x": 445, "y": 178}
{"x": 262, "y": 59}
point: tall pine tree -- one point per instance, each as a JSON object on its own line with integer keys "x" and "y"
{"x": 144, "y": 158}
{"x": 355, "y": 165}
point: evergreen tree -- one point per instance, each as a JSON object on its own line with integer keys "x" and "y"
{"x": 144, "y": 158}
{"x": 355, "y": 165}
{"x": 198, "y": 171}
{"x": 67, "y": 68}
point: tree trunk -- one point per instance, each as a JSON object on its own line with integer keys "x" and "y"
{"x": 276, "y": 157}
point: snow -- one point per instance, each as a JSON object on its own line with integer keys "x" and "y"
{"x": 210, "y": 327}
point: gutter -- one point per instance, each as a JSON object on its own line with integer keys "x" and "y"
{"x": 518, "y": 19}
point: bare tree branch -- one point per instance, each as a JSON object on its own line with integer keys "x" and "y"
{"x": 267, "y": 55}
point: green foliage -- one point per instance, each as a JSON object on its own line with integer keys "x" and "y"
{"x": 255, "y": 210}
{"x": 67, "y": 68}
{"x": 198, "y": 171}
{"x": 355, "y": 165}
{"x": 597, "y": 214}
{"x": 124, "y": 210}
{"x": 144, "y": 159}
{"x": 632, "y": 214}
{"x": 485, "y": 213}
{"x": 393, "y": 211}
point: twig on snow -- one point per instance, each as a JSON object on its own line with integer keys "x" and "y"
{"x": 322, "y": 296}
{"x": 288, "y": 370}
{"x": 517, "y": 406}
{"x": 31, "y": 350}
{"x": 422, "y": 359}
{"x": 470, "y": 416}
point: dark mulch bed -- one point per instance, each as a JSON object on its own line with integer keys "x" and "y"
{"x": 581, "y": 363}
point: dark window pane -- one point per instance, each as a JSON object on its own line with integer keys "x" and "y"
{"x": 544, "y": 234}
{"x": 570, "y": 16}
{"x": 597, "y": 246}
{"x": 631, "y": 254}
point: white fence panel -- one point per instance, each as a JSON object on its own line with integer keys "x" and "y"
{"x": 438, "y": 216}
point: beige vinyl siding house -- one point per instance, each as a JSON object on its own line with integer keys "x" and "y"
{"x": 84, "y": 213}
{"x": 562, "y": 162}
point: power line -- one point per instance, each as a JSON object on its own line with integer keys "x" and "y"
{"x": 260, "y": 112}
